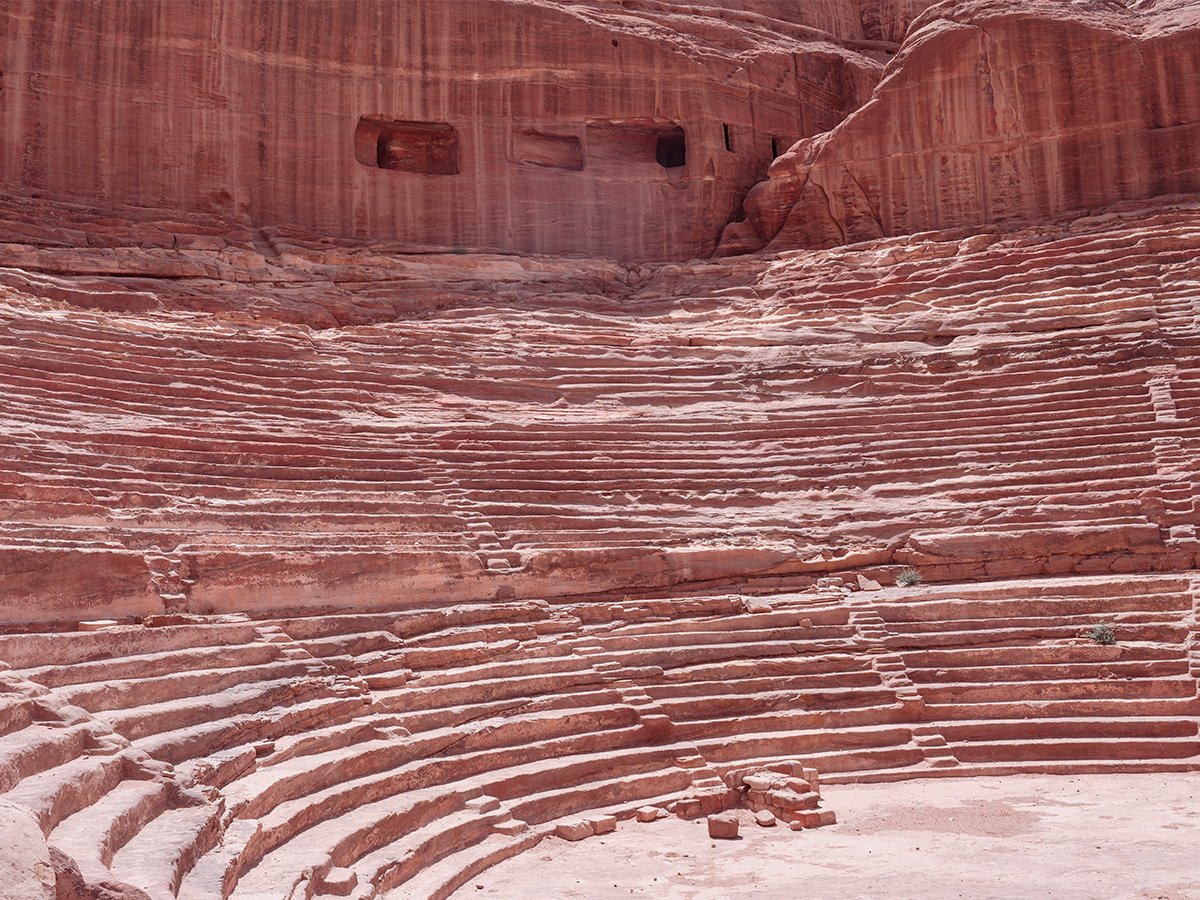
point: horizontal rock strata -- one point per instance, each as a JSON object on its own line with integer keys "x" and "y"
{"x": 199, "y": 434}
{"x": 466, "y": 124}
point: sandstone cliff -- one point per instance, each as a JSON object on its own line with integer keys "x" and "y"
{"x": 607, "y": 129}
{"x": 995, "y": 112}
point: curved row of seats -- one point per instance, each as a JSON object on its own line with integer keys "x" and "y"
{"x": 398, "y": 754}
{"x": 528, "y": 413}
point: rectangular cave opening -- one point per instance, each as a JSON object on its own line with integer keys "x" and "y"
{"x": 553, "y": 151}
{"x": 728, "y": 136}
{"x": 774, "y": 148}
{"x": 671, "y": 150}
{"x": 426, "y": 148}
{"x": 635, "y": 141}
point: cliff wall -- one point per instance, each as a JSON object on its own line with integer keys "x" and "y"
{"x": 607, "y": 129}
{"x": 997, "y": 113}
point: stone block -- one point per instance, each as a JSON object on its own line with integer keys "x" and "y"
{"x": 723, "y": 825}
{"x": 813, "y": 818}
{"x": 511, "y": 827}
{"x": 574, "y": 831}
{"x": 765, "y": 818}
{"x": 603, "y": 824}
{"x": 339, "y": 882}
{"x": 97, "y": 624}
{"x": 482, "y": 804}
{"x": 790, "y": 800}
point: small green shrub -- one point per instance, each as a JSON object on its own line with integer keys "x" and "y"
{"x": 1101, "y": 633}
{"x": 908, "y": 578}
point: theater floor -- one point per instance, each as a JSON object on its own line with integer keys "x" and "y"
{"x": 1032, "y": 836}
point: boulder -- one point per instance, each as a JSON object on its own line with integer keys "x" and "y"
{"x": 723, "y": 825}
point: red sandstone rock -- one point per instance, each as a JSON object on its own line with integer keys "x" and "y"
{"x": 71, "y": 885}
{"x": 340, "y": 771}
{"x": 603, "y": 824}
{"x": 434, "y": 518}
{"x": 723, "y": 825}
{"x": 995, "y": 113}
{"x": 575, "y": 831}
{"x": 309, "y": 116}
{"x": 574, "y": 533}
{"x": 26, "y": 871}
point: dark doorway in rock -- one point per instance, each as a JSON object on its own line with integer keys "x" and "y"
{"x": 671, "y": 149}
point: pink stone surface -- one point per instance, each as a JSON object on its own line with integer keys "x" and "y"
{"x": 333, "y": 563}
{"x": 354, "y": 454}
{"x": 26, "y": 872}
{"x": 994, "y": 112}
{"x": 723, "y": 826}
{"x": 253, "y": 109}
{"x": 230, "y": 753}
{"x": 1074, "y": 838}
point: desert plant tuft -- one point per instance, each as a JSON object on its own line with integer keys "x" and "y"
{"x": 908, "y": 578}
{"x": 1101, "y": 633}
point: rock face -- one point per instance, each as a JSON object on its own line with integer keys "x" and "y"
{"x": 995, "y": 112}
{"x": 602, "y": 128}
{"x": 336, "y": 564}
{"x": 26, "y": 872}
{"x": 631, "y": 130}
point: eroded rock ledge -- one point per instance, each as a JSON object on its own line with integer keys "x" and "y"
{"x": 200, "y": 434}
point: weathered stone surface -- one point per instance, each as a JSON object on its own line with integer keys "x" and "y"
{"x": 353, "y": 121}
{"x": 71, "y": 885}
{"x": 995, "y": 112}
{"x": 334, "y": 565}
{"x": 26, "y": 872}
{"x": 603, "y": 824}
{"x": 575, "y": 831}
{"x": 240, "y": 733}
{"x": 723, "y": 825}
{"x": 108, "y": 521}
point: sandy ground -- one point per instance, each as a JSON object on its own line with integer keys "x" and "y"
{"x": 1088, "y": 837}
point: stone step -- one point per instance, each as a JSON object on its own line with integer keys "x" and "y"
{"x": 42, "y": 746}
{"x": 162, "y": 852}
{"x": 442, "y": 878}
{"x": 267, "y": 723}
{"x": 142, "y": 692}
{"x": 1071, "y": 671}
{"x": 94, "y": 834}
{"x": 401, "y": 860}
{"x": 1076, "y": 749}
{"x": 1134, "y": 688}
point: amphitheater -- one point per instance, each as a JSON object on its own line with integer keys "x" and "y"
{"x": 455, "y": 445}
